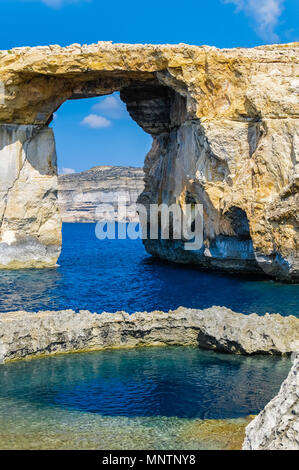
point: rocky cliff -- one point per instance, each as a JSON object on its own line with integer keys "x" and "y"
{"x": 277, "y": 426}
{"x": 225, "y": 135}
{"x": 24, "y": 334}
{"x": 86, "y": 196}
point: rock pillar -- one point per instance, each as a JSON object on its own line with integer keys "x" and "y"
{"x": 30, "y": 224}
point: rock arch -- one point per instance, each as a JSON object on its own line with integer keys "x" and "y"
{"x": 225, "y": 130}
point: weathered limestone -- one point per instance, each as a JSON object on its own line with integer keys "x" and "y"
{"x": 25, "y": 335}
{"x": 88, "y": 196}
{"x": 225, "y": 134}
{"x": 242, "y": 179}
{"x": 29, "y": 218}
{"x": 277, "y": 425}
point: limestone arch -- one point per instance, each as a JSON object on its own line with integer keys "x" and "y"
{"x": 34, "y": 239}
{"x": 228, "y": 137}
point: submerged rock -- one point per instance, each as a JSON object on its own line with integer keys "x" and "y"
{"x": 73, "y": 430}
{"x": 24, "y": 334}
{"x": 277, "y": 426}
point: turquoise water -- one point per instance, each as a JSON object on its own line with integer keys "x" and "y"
{"x": 116, "y": 275}
{"x": 175, "y": 381}
{"x": 142, "y": 398}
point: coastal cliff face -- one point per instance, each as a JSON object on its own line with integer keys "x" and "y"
{"x": 25, "y": 334}
{"x": 87, "y": 196}
{"x": 30, "y": 224}
{"x": 277, "y": 425}
{"x": 225, "y": 135}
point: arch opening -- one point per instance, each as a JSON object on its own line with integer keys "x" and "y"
{"x": 155, "y": 108}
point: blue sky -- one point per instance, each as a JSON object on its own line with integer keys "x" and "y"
{"x": 99, "y": 131}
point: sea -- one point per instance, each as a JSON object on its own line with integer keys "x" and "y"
{"x": 146, "y": 398}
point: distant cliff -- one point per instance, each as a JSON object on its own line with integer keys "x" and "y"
{"x": 87, "y": 196}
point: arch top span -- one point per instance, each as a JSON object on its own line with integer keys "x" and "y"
{"x": 216, "y": 83}
{"x": 225, "y": 132}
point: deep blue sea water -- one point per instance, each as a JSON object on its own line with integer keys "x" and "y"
{"x": 113, "y": 275}
{"x": 182, "y": 382}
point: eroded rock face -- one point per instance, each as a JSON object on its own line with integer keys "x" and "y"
{"x": 95, "y": 195}
{"x": 30, "y": 222}
{"x": 277, "y": 426}
{"x": 243, "y": 182}
{"x": 25, "y": 334}
{"x": 225, "y": 134}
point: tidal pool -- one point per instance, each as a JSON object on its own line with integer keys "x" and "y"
{"x": 151, "y": 398}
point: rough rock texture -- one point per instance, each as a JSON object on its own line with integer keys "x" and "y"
{"x": 84, "y": 197}
{"x": 277, "y": 426}
{"x": 25, "y": 334}
{"x": 225, "y": 130}
{"x": 30, "y": 225}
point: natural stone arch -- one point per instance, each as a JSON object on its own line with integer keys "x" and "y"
{"x": 224, "y": 127}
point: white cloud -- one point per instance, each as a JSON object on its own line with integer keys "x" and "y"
{"x": 66, "y": 171}
{"x": 265, "y": 14}
{"x": 96, "y": 122}
{"x": 111, "y": 106}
